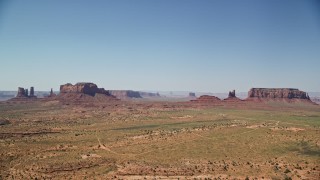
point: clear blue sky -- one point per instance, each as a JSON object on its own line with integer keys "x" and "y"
{"x": 210, "y": 46}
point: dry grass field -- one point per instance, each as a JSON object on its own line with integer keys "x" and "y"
{"x": 159, "y": 140}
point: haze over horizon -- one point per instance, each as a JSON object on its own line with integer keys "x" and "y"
{"x": 202, "y": 46}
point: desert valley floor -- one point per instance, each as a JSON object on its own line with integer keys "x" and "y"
{"x": 159, "y": 140}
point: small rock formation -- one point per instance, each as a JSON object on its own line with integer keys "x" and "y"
{"x": 21, "y": 92}
{"x": 24, "y": 95}
{"x": 125, "y": 94}
{"x": 32, "y": 92}
{"x": 232, "y": 94}
{"x": 192, "y": 94}
{"x": 52, "y": 94}
{"x": 207, "y": 99}
{"x": 277, "y": 93}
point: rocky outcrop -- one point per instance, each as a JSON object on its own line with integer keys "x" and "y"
{"x": 83, "y": 88}
{"x": 51, "y": 94}
{"x": 32, "y": 92}
{"x": 23, "y": 95}
{"x": 83, "y": 93}
{"x": 22, "y": 92}
{"x": 26, "y": 93}
{"x": 125, "y": 94}
{"x": 192, "y": 94}
{"x": 277, "y": 93}
{"x": 232, "y": 96}
{"x": 207, "y": 99}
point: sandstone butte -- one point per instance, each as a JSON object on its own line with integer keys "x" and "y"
{"x": 232, "y": 96}
{"x": 277, "y": 93}
{"x": 262, "y": 94}
{"x": 83, "y": 92}
{"x": 91, "y": 89}
{"x": 87, "y": 91}
{"x": 85, "y": 88}
{"x": 23, "y": 95}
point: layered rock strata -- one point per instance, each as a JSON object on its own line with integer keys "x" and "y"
{"x": 84, "y": 88}
{"x": 83, "y": 93}
{"x": 277, "y": 93}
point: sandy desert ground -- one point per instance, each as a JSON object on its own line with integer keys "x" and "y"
{"x": 159, "y": 140}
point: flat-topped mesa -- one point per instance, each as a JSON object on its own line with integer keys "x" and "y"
{"x": 125, "y": 94}
{"x": 82, "y": 88}
{"x": 83, "y": 93}
{"x": 277, "y": 93}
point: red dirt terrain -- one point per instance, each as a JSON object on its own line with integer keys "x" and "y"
{"x": 86, "y": 133}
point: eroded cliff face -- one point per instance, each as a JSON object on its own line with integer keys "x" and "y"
{"x": 84, "y": 88}
{"x": 273, "y": 93}
{"x": 83, "y": 93}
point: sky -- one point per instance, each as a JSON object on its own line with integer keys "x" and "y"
{"x": 164, "y": 45}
